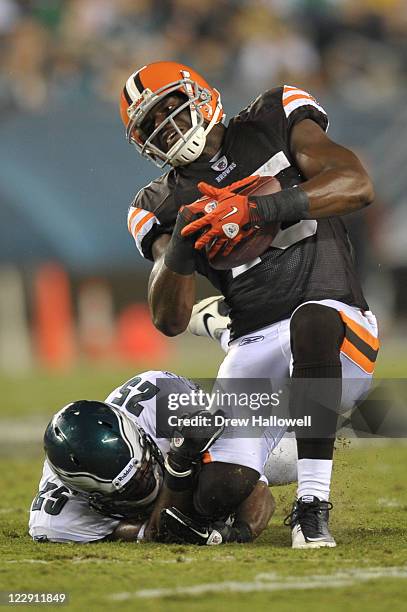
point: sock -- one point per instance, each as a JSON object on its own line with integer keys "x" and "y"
{"x": 315, "y": 453}
{"x": 316, "y": 392}
{"x": 317, "y": 333}
{"x": 314, "y": 478}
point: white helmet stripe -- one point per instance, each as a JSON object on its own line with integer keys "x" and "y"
{"x": 122, "y": 428}
{"x": 132, "y": 89}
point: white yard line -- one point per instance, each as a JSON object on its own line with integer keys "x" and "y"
{"x": 271, "y": 582}
{"x": 93, "y": 560}
{"x": 41, "y": 561}
{"x": 389, "y": 502}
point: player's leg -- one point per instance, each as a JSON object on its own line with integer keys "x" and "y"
{"x": 222, "y": 487}
{"x": 246, "y": 360}
{"x": 320, "y": 333}
{"x": 317, "y": 333}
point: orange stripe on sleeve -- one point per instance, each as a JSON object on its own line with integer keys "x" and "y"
{"x": 142, "y": 222}
{"x": 131, "y": 217}
{"x": 299, "y": 96}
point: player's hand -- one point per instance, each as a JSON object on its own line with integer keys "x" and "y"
{"x": 229, "y": 216}
{"x": 190, "y": 442}
{"x": 176, "y": 527}
{"x": 180, "y": 253}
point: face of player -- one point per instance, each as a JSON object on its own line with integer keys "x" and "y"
{"x": 167, "y": 136}
{"x": 137, "y": 495}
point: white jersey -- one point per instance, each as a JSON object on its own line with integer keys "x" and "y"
{"x": 60, "y": 515}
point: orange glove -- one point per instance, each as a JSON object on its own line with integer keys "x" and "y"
{"x": 228, "y": 215}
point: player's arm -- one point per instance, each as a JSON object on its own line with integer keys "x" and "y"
{"x": 126, "y": 531}
{"x": 171, "y": 294}
{"x": 336, "y": 182}
{"x": 188, "y": 444}
{"x": 251, "y": 518}
{"x": 168, "y": 497}
{"x": 257, "y": 509}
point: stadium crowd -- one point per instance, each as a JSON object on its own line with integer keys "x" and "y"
{"x": 52, "y": 50}
{"x": 351, "y": 55}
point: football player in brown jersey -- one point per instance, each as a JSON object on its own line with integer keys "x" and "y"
{"x": 298, "y": 309}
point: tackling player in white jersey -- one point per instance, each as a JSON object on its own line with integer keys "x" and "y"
{"x": 108, "y": 474}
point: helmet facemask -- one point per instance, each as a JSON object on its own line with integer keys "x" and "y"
{"x": 188, "y": 146}
{"x": 134, "y": 496}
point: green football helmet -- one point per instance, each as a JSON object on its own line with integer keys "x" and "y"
{"x": 96, "y": 449}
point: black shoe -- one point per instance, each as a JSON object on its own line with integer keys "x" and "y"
{"x": 309, "y": 523}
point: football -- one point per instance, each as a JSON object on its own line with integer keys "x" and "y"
{"x": 254, "y": 245}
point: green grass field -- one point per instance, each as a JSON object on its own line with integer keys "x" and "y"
{"x": 369, "y": 523}
{"x": 367, "y": 571}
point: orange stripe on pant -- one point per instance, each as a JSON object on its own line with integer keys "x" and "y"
{"x": 360, "y": 331}
{"x": 206, "y": 457}
{"x": 351, "y": 351}
{"x": 357, "y": 357}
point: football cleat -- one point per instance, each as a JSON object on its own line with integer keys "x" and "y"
{"x": 210, "y": 318}
{"x": 309, "y": 523}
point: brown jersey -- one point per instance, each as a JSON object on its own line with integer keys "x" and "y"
{"x": 308, "y": 260}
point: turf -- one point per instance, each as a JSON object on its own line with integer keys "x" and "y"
{"x": 369, "y": 523}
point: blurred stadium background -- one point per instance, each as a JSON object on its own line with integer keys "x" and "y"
{"x": 72, "y": 284}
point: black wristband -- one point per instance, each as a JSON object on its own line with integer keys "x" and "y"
{"x": 177, "y": 477}
{"x": 178, "y": 462}
{"x": 180, "y": 253}
{"x": 287, "y": 205}
{"x": 179, "y": 256}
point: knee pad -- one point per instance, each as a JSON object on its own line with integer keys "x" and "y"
{"x": 281, "y": 464}
{"x": 222, "y": 487}
{"x": 316, "y": 334}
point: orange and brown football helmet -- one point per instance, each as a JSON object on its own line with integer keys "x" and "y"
{"x": 148, "y": 86}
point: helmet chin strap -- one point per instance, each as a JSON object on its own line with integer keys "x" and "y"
{"x": 190, "y": 149}
{"x": 193, "y": 145}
